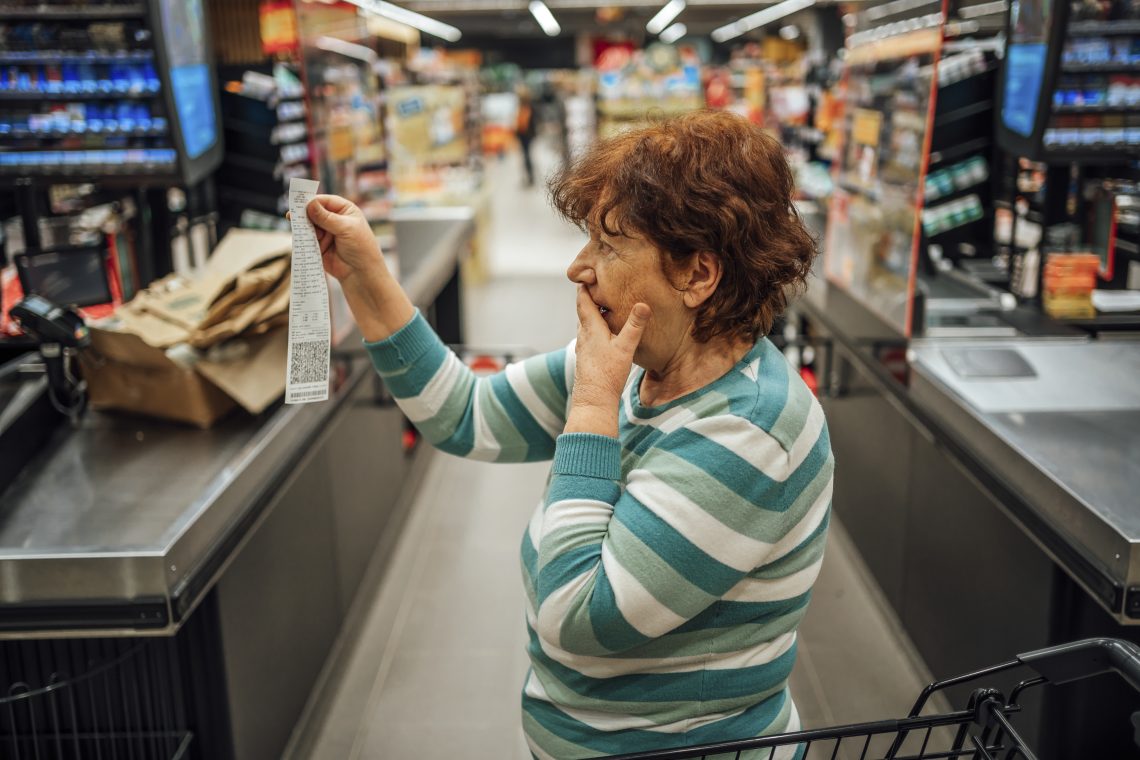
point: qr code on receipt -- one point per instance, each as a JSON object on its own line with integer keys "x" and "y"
{"x": 309, "y": 362}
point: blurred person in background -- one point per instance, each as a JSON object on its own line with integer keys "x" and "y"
{"x": 525, "y": 129}
{"x": 671, "y": 559}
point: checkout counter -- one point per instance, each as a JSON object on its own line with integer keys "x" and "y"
{"x": 242, "y": 547}
{"x": 990, "y": 478}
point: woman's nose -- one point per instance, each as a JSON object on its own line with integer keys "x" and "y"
{"x": 580, "y": 270}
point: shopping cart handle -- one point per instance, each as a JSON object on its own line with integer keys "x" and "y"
{"x": 1081, "y": 659}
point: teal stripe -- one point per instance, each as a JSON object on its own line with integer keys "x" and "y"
{"x": 582, "y": 487}
{"x": 727, "y": 614}
{"x": 411, "y": 381}
{"x": 608, "y": 626}
{"x": 529, "y": 554}
{"x": 512, "y": 445}
{"x": 565, "y": 737}
{"x": 542, "y": 381}
{"x": 771, "y": 387}
{"x": 724, "y": 683}
{"x": 704, "y": 571}
{"x": 452, "y": 429}
{"x": 808, "y": 552}
{"x": 564, "y": 568}
{"x": 726, "y": 467}
{"x": 542, "y": 443}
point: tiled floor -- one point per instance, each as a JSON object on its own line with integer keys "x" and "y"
{"x": 436, "y": 669}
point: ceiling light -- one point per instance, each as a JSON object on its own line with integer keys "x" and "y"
{"x": 673, "y": 33}
{"x": 759, "y": 19}
{"x": 544, "y": 18}
{"x": 350, "y": 49}
{"x": 670, "y": 11}
{"x": 411, "y": 18}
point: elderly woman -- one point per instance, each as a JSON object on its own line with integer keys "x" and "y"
{"x": 683, "y": 525}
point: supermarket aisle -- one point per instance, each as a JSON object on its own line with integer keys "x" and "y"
{"x": 438, "y": 666}
{"x": 528, "y": 238}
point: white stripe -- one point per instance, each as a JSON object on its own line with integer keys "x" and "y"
{"x": 774, "y": 589}
{"x": 577, "y": 513}
{"x": 668, "y": 421}
{"x": 556, "y": 608}
{"x": 756, "y": 446}
{"x": 806, "y": 441}
{"x": 607, "y": 721}
{"x": 807, "y": 525}
{"x": 534, "y": 527}
{"x": 639, "y": 607}
{"x": 520, "y": 383}
{"x": 427, "y": 403}
{"x": 610, "y": 667}
{"x": 485, "y": 446}
{"x": 688, "y": 518}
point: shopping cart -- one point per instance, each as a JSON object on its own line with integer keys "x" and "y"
{"x": 982, "y": 731}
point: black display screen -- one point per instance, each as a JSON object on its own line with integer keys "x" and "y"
{"x": 76, "y": 277}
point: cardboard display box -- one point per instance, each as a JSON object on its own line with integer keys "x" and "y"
{"x": 191, "y": 350}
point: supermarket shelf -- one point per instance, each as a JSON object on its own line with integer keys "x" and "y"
{"x": 65, "y": 13}
{"x": 1103, "y": 28}
{"x": 66, "y": 174}
{"x": 990, "y": 67}
{"x": 965, "y": 112}
{"x": 1103, "y": 155}
{"x": 61, "y": 134}
{"x": 7, "y": 96}
{"x": 62, "y": 56}
{"x": 1101, "y": 68}
{"x": 958, "y": 152}
{"x": 1095, "y": 109}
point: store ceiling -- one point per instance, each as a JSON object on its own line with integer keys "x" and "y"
{"x": 511, "y": 19}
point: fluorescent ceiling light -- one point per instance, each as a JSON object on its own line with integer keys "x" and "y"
{"x": 674, "y": 33}
{"x": 351, "y": 49}
{"x": 411, "y": 18}
{"x": 544, "y": 18}
{"x": 671, "y": 10}
{"x": 759, "y": 19}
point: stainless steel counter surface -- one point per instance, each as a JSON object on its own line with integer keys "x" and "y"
{"x": 126, "y": 521}
{"x": 1066, "y": 438}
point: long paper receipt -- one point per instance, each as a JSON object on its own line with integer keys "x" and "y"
{"x": 307, "y": 376}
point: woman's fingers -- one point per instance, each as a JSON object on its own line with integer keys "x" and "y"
{"x": 587, "y": 309}
{"x": 634, "y": 327}
{"x": 331, "y": 213}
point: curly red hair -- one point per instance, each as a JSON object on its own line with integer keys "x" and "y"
{"x": 705, "y": 181}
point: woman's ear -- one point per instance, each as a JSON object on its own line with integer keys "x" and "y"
{"x": 704, "y": 273}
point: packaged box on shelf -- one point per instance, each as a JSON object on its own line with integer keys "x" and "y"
{"x": 1069, "y": 281}
{"x": 191, "y": 350}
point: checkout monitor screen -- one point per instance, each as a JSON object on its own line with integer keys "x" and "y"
{"x": 1026, "y": 57}
{"x": 183, "y": 26}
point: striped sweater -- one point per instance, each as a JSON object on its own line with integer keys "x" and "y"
{"x": 666, "y": 571}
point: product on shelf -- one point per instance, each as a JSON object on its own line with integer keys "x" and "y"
{"x": 1069, "y": 281}
{"x": 960, "y": 176}
{"x": 952, "y": 214}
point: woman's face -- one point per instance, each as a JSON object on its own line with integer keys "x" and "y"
{"x": 619, "y": 272}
